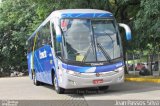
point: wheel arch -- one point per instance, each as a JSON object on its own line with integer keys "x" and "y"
{"x": 32, "y": 71}
{"x": 52, "y": 74}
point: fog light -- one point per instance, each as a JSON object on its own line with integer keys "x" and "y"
{"x": 72, "y": 82}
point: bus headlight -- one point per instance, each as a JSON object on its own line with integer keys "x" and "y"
{"x": 119, "y": 69}
{"x": 72, "y": 72}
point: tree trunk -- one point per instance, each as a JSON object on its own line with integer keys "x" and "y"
{"x": 134, "y": 65}
{"x": 159, "y": 62}
{"x": 127, "y": 61}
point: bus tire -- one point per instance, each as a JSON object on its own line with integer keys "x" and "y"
{"x": 103, "y": 88}
{"x": 58, "y": 89}
{"x": 35, "y": 82}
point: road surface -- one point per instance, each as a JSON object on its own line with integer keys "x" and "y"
{"x": 22, "y": 88}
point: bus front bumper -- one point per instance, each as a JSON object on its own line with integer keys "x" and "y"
{"x": 68, "y": 81}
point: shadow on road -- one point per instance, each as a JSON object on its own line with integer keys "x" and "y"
{"x": 124, "y": 88}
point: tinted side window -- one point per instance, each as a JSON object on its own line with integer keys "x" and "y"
{"x": 43, "y": 36}
{"x": 57, "y": 45}
{"x": 46, "y": 37}
{"x": 30, "y": 44}
{"x": 36, "y": 41}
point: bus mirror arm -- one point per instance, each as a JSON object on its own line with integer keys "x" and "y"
{"x": 127, "y": 31}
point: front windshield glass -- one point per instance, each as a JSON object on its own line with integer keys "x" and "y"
{"x": 87, "y": 40}
{"x": 107, "y": 39}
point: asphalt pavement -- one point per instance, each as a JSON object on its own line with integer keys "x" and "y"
{"x": 22, "y": 88}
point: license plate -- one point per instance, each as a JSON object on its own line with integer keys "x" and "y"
{"x": 97, "y": 81}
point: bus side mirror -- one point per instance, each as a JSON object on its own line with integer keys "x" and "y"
{"x": 127, "y": 30}
{"x": 59, "y": 38}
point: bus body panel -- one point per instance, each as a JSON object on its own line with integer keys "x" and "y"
{"x": 107, "y": 73}
{"x": 43, "y": 64}
{"x": 29, "y": 61}
{"x": 71, "y": 82}
{"x": 87, "y": 15}
{"x": 95, "y": 69}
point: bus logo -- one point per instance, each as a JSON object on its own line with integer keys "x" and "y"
{"x": 96, "y": 64}
{"x": 42, "y": 54}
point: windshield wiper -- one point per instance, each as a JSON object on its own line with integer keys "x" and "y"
{"x": 104, "y": 52}
{"x": 111, "y": 40}
{"x": 86, "y": 54}
{"x": 109, "y": 37}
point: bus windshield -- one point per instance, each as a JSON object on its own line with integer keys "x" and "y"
{"x": 90, "y": 40}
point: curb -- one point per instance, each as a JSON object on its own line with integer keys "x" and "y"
{"x": 143, "y": 80}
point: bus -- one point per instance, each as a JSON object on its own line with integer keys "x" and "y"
{"x": 77, "y": 48}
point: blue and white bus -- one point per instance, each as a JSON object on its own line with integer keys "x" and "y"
{"x": 77, "y": 48}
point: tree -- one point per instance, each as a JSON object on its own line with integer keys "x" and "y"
{"x": 15, "y": 20}
{"x": 147, "y": 24}
{"x": 19, "y": 19}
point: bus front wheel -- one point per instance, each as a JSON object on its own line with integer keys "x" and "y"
{"x": 58, "y": 89}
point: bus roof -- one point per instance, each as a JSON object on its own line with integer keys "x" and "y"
{"x": 75, "y": 13}
{"x": 82, "y": 13}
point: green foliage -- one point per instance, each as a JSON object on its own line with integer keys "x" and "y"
{"x": 19, "y": 18}
{"x": 147, "y": 23}
{"x": 15, "y": 16}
